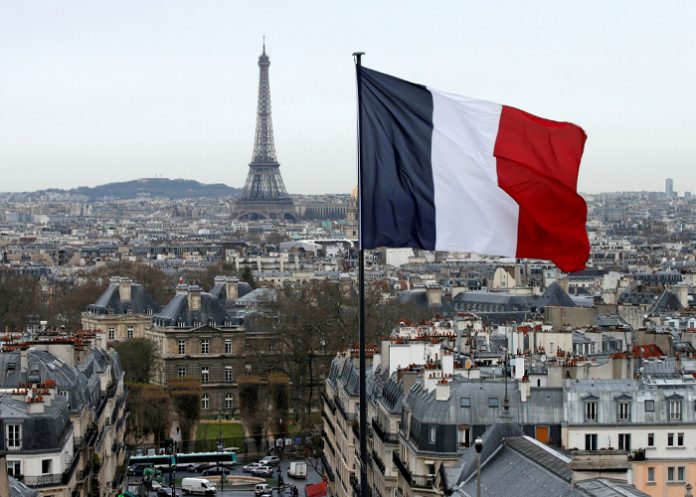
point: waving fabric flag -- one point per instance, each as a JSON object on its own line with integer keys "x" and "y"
{"x": 445, "y": 172}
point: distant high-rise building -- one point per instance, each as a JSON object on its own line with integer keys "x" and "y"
{"x": 264, "y": 195}
{"x": 669, "y": 187}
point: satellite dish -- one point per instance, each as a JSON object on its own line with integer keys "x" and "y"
{"x": 542, "y": 358}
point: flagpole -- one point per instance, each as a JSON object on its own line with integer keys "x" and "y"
{"x": 361, "y": 290}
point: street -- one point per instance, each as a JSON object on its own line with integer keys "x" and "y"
{"x": 245, "y": 491}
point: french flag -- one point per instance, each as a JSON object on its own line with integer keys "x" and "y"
{"x": 440, "y": 171}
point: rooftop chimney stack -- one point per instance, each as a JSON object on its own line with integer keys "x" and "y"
{"x": 442, "y": 390}
{"x": 194, "y": 298}
{"x": 434, "y": 295}
{"x": 124, "y": 289}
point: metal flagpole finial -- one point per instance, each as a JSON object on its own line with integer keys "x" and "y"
{"x": 357, "y": 56}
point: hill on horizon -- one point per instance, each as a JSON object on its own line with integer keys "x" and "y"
{"x": 153, "y": 187}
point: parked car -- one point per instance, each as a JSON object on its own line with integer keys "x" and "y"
{"x": 264, "y": 471}
{"x": 251, "y": 466}
{"x": 263, "y": 489}
{"x": 270, "y": 461}
{"x": 166, "y": 492}
{"x": 137, "y": 469}
{"x": 215, "y": 471}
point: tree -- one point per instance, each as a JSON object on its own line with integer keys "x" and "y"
{"x": 149, "y": 411}
{"x": 138, "y": 358}
{"x": 280, "y": 401}
{"x": 186, "y": 395}
{"x": 320, "y": 318}
{"x": 19, "y": 298}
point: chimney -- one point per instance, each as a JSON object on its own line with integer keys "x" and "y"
{"x": 442, "y": 390}
{"x": 232, "y": 288}
{"x": 23, "y": 359}
{"x": 682, "y": 292}
{"x": 447, "y": 365}
{"x": 525, "y": 390}
{"x": 124, "y": 289}
{"x": 434, "y": 295}
{"x": 194, "y": 298}
{"x": 4, "y": 480}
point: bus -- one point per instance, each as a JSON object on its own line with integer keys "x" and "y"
{"x": 187, "y": 461}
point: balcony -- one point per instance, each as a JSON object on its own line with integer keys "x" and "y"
{"x": 387, "y": 438}
{"x": 378, "y": 462}
{"x": 328, "y": 442}
{"x": 327, "y": 401}
{"x": 329, "y": 422}
{"x": 53, "y": 480}
{"x": 415, "y": 481}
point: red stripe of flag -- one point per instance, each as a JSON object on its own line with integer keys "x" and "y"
{"x": 537, "y": 165}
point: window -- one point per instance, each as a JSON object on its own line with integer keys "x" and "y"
{"x": 182, "y": 347}
{"x": 625, "y": 441}
{"x": 205, "y": 374}
{"x": 681, "y": 473}
{"x": 649, "y": 406}
{"x": 651, "y": 440}
{"x": 675, "y": 410}
{"x": 492, "y": 401}
{"x": 670, "y": 440}
{"x": 205, "y": 401}
{"x": 182, "y": 324}
{"x": 591, "y": 410}
{"x": 205, "y": 346}
{"x": 13, "y": 436}
{"x": 181, "y": 372}
{"x": 14, "y": 468}
{"x": 624, "y": 411}
{"x": 651, "y": 474}
{"x": 462, "y": 436}
{"x": 670, "y": 474}
{"x": 229, "y": 401}
{"x": 129, "y": 332}
{"x": 112, "y": 334}
{"x": 465, "y": 402}
{"x": 228, "y": 374}
{"x": 46, "y": 465}
{"x": 591, "y": 441}
{"x": 680, "y": 440}
{"x": 228, "y": 346}
{"x": 432, "y": 435}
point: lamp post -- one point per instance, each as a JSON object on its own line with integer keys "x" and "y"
{"x": 478, "y": 445}
{"x": 220, "y": 447}
{"x": 172, "y": 467}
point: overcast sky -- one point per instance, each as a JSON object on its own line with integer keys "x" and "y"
{"x": 99, "y": 91}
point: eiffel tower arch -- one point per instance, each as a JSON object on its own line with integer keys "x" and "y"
{"x": 264, "y": 196}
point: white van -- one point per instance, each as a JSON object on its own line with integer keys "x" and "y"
{"x": 297, "y": 469}
{"x": 197, "y": 486}
{"x": 263, "y": 489}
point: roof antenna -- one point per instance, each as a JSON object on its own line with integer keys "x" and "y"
{"x": 506, "y": 402}
{"x": 264, "y": 43}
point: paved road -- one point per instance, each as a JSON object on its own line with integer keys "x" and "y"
{"x": 312, "y": 477}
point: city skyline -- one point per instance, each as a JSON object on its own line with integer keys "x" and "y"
{"x": 94, "y": 94}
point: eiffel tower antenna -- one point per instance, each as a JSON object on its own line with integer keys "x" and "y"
{"x": 264, "y": 195}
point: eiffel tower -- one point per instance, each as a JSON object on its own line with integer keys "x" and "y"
{"x": 264, "y": 195}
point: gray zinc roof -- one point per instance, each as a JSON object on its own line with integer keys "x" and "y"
{"x": 19, "y": 489}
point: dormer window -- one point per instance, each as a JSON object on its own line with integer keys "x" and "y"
{"x": 623, "y": 408}
{"x": 13, "y": 436}
{"x": 590, "y": 408}
{"x": 148, "y": 311}
{"x": 674, "y": 405}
